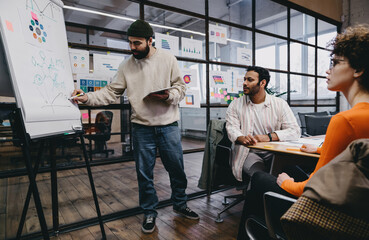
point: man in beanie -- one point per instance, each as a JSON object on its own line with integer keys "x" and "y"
{"x": 154, "y": 117}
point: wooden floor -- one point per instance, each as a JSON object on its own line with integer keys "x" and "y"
{"x": 117, "y": 190}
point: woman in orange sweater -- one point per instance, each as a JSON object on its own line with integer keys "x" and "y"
{"x": 349, "y": 74}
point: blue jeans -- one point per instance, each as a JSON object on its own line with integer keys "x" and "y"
{"x": 146, "y": 139}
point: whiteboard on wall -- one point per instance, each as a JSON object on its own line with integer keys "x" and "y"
{"x": 35, "y": 43}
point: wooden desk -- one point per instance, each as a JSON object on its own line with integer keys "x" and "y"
{"x": 284, "y": 157}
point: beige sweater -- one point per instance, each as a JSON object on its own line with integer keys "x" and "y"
{"x": 140, "y": 77}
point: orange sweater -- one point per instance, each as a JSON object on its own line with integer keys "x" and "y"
{"x": 342, "y": 130}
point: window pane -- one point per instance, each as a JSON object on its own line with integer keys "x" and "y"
{"x": 237, "y": 50}
{"x": 302, "y": 27}
{"x": 323, "y": 61}
{"x": 185, "y": 26}
{"x": 278, "y": 84}
{"x": 271, "y": 17}
{"x": 239, "y": 12}
{"x": 302, "y": 89}
{"x": 198, "y": 81}
{"x": 302, "y": 58}
{"x": 76, "y": 35}
{"x": 196, "y": 6}
{"x": 271, "y": 52}
{"x": 193, "y": 122}
{"x": 326, "y": 33}
{"x": 325, "y": 96}
{"x": 225, "y": 83}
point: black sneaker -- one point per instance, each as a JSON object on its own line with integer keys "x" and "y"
{"x": 148, "y": 225}
{"x": 187, "y": 212}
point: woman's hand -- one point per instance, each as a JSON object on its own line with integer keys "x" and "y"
{"x": 309, "y": 148}
{"x": 282, "y": 177}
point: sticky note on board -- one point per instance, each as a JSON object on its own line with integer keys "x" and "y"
{"x": 34, "y": 16}
{"x": 228, "y": 97}
{"x": 85, "y": 115}
{"x": 225, "y": 92}
{"x": 212, "y": 94}
{"x": 9, "y": 26}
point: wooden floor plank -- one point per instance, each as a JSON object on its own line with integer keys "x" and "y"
{"x": 117, "y": 190}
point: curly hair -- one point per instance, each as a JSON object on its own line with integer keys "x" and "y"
{"x": 353, "y": 44}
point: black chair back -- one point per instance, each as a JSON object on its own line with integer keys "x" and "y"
{"x": 103, "y": 123}
{"x": 317, "y": 125}
{"x": 303, "y": 122}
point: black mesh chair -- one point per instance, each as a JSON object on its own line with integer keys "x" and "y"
{"x": 317, "y": 125}
{"x": 102, "y": 133}
{"x": 303, "y": 122}
{"x": 275, "y": 205}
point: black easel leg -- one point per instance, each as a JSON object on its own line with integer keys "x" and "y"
{"x": 33, "y": 186}
{"x": 93, "y": 187}
{"x": 29, "y": 192}
{"x": 54, "y": 188}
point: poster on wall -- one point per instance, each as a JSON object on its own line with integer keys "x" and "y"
{"x": 191, "y": 48}
{"x": 189, "y": 76}
{"x": 217, "y": 34}
{"x": 244, "y": 56}
{"x": 80, "y": 60}
{"x": 218, "y": 79}
{"x": 106, "y": 65}
{"x": 167, "y": 42}
{"x": 90, "y": 82}
{"x": 234, "y": 82}
{"x": 191, "y": 99}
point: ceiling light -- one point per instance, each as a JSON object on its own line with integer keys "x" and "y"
{"x": 152, "y": 24}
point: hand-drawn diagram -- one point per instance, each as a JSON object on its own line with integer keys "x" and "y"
{"x": 45, "y": 79}
{"x": 48, "y": 9}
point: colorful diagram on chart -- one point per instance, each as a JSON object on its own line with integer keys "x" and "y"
{"x": 90, "y": 85}
{"x": 79, "y": 60}
{"x": 217, "y": 34}
{"x": 218, "y": 79}
{"x": 191, "y": 48}
{"x": 187, "y": 79}
{"x": 37, "y": 29}
{"x": 165, "y": 44}
{"x": 189, "y": 99}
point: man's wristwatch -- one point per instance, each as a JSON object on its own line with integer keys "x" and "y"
{"x": 270, "y": 137}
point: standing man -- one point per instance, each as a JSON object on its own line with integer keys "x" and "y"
{"x": 257, "y": 117}
{"x": 154, "y": 117}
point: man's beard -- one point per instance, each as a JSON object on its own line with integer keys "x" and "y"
{"x": 141, "y": 54}
{"x": 253, "y": 91}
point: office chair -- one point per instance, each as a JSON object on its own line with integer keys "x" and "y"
{"x": 102, "y": 134}
{"x": 317, "y": 125}
{"x": 223, "y": 174}
{"x": 275, "y": 205}
{"x": 303, "y": 122}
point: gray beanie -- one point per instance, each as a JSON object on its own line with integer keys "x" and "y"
{"x": 140, "y": 28}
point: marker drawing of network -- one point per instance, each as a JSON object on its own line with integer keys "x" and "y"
{"x": 46, "y": 80}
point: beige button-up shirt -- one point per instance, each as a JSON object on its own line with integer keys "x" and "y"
{"x": 276, "y": 116}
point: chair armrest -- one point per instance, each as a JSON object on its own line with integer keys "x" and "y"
{"x": 275, "y": 205}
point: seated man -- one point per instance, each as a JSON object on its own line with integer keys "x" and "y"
{"x": 257, "y": 117}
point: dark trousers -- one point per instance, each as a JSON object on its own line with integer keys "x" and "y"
{"x": 261, "y": 182}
